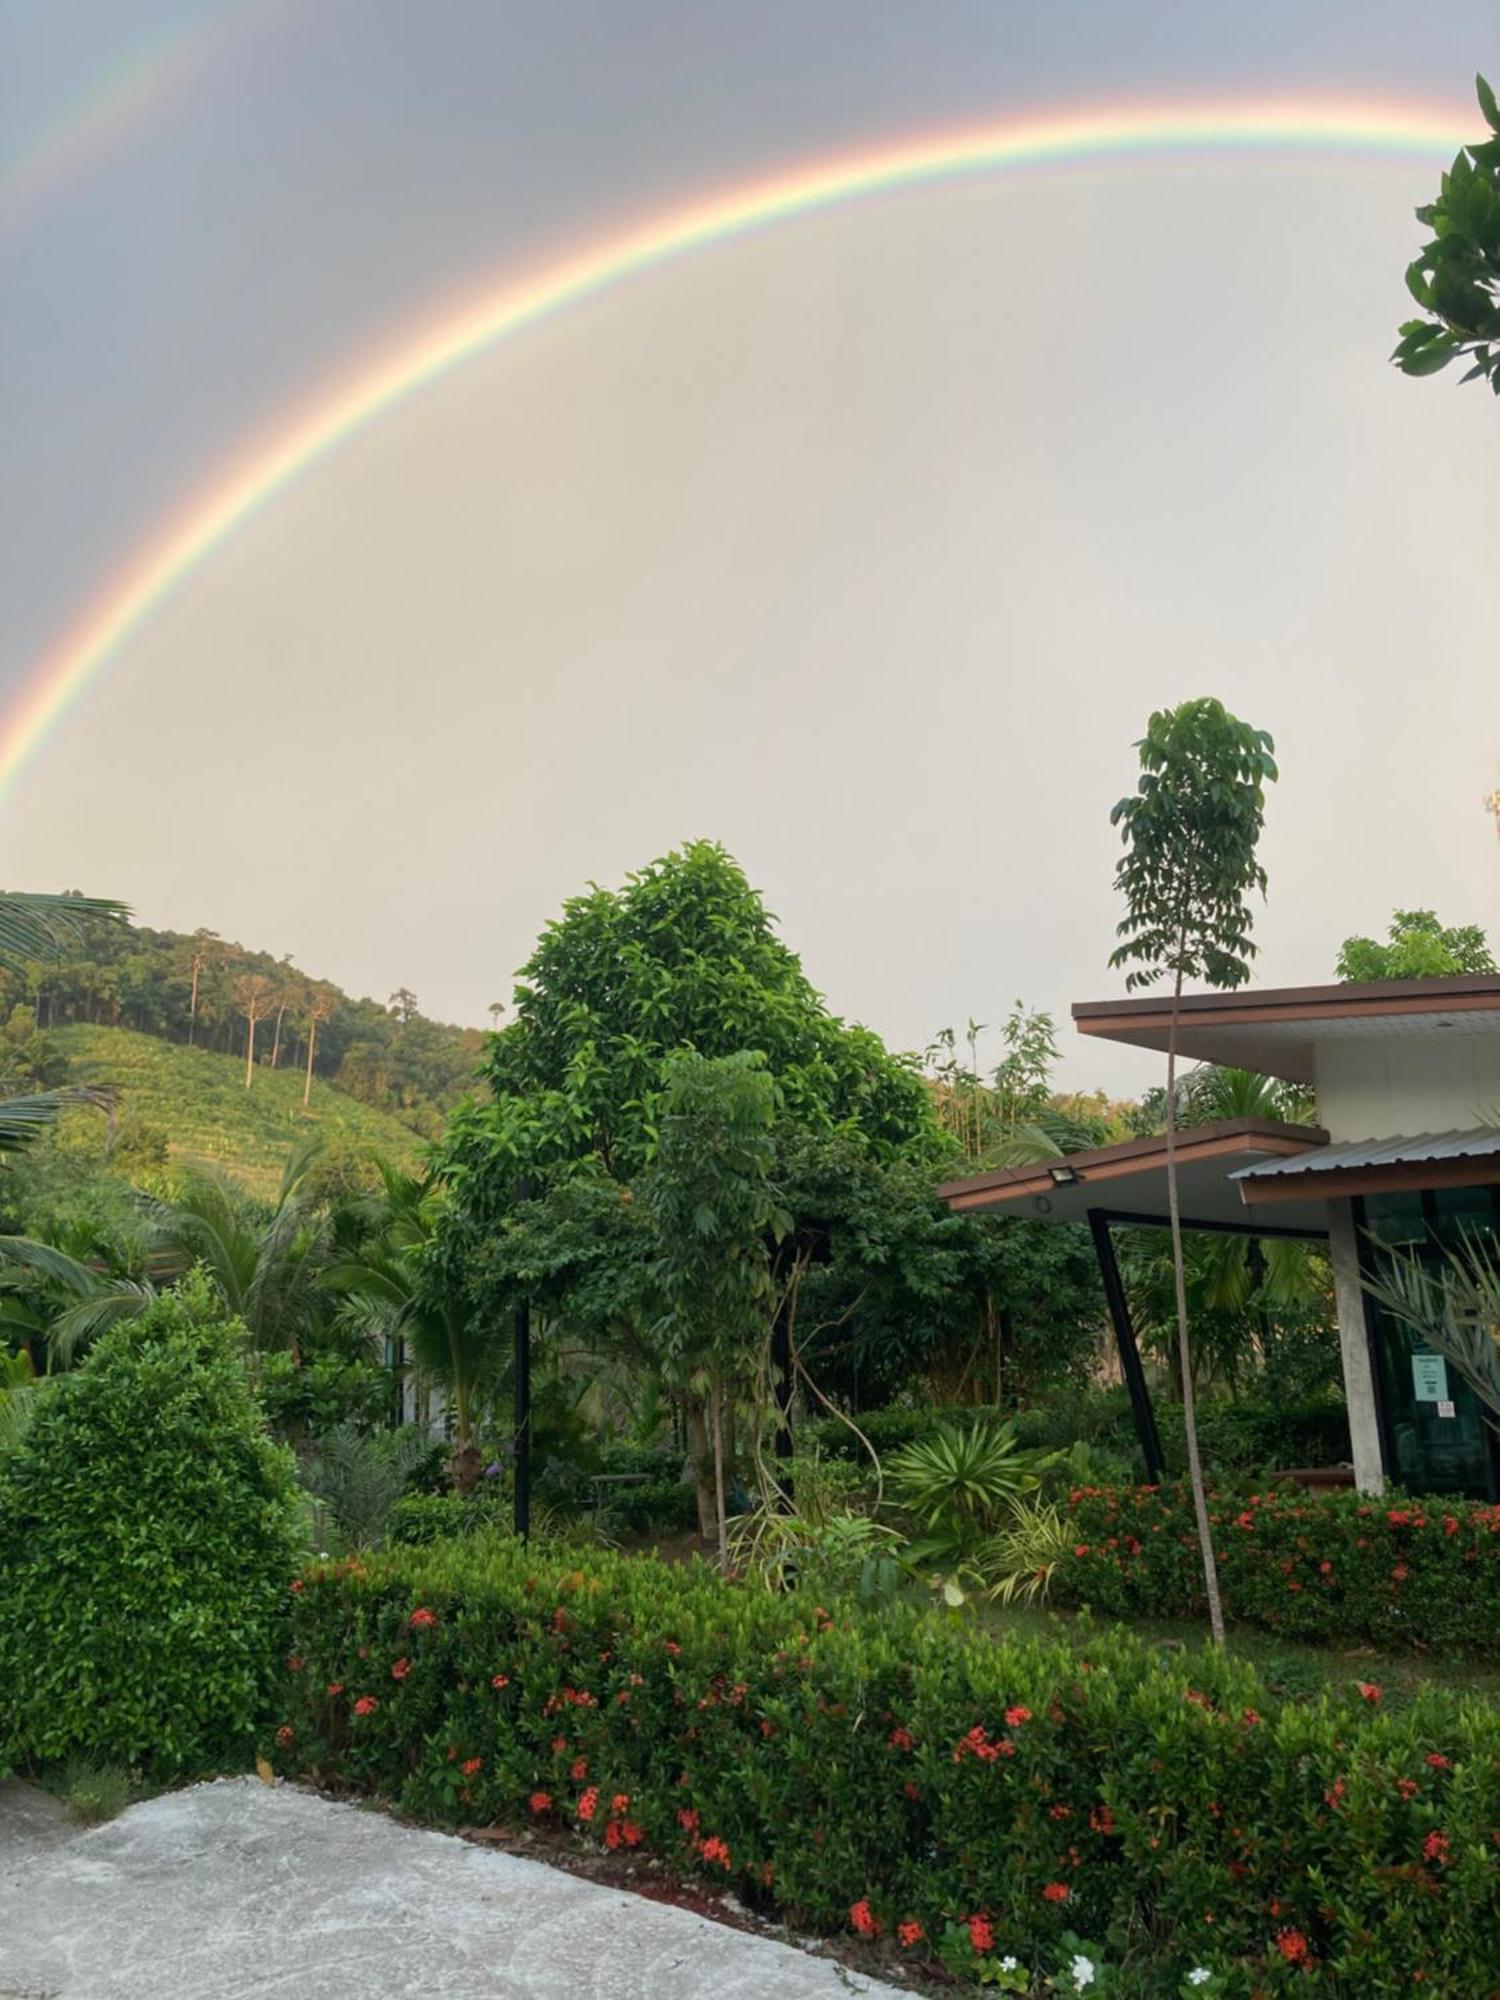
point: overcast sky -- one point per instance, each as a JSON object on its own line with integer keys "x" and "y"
{"x": 865, "y": 545}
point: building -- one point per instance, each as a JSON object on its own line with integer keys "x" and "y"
{"x": 1405, "y": 1160}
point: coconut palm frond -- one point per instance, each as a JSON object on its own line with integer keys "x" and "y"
{"x": 43, "y": 927}
{"x": 116, "y": 1299}
{"x": 49, "y": 1262}
{"x": 1454, "y": 1308}
{"x": 24, "y": 1119}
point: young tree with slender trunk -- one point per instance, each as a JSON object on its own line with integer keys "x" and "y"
{"x": 254, "y": 995}
{"x": 713, "y": 1211}
{"x": 199, "y": 958}
{"x": 1191, "y": 829}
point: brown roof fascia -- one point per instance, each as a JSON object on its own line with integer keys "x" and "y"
{"x": 1106, "y": 1163}
{"x": 1331, "y": 1182}
{"x": 1462, "y": 994}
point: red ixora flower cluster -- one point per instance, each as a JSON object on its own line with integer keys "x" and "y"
{"x": 1293, "y": 1946}
{"x": 1435, "y": 1847}
{"x": 976, "y": 1743}
{"x": 540, "y": 1802}
{"x": 366, "y": 1705}
{"x": 717, "y": 1851}
{"x": 472, "y": 1767}
{"x": 286, "y": 1734}
{"x": 981, "y": 1932}
{"x": 400, "y": 1669}
{"x": 863, "y": 1919}
{"x": 499, "y": 1680}
{"x": 900, "y": 1739}
{"x": 422, "y": 1618}
{"x": 1056, "y": 1892}
{"x": 910, "y": 1933}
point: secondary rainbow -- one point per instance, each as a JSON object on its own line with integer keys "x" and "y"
{"x": 375, "y": 384}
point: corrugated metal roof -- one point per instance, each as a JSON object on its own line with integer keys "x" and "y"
{"x": 1422, "y": 1150}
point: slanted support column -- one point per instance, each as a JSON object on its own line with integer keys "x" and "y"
{"x": 1130, "y": 1354}
{"x": 1354, "y": 1345}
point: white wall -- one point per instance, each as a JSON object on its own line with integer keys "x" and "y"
{"x": 1439, "y": 1080}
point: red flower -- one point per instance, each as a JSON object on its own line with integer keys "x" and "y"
{"x": 559, "y": 1745}
{"x": 366, "y": 1705}
{"x": 540, "y": 1802}
{"x": 1369, "y": 1690}
{"x": 630, "y": 1833}
{"x": 981, "y": 1932}
{"x": 421, "y": 1618}
{"x": 864, "y": 1919}
{"x": 612, "y": 1835}
{"x": 1250, "y": 1718}
{"x": 900, "y": 1739}
{"x": 714, "y": 1849}
{"x": 1080, "y": 1548}
{"x": 295, "y": 1663}
{"x": 588, "y": 1803}
{"x": 1292, "y": 1945}
{"x": 472, "y": 1768}
{"x": 1014, "y": 1717}
{"x": 1435, "y": 1846}
{"x": 297, "y": 1583}
{"x": 673, "y": 1647}
{"x": 620, "y": 1803}
{"x": 910, "y": 1789}
{"x": 1102, "y": 1820}
{"x": 687, "y": 1819}
{"x": 910, "y": 1933}
{"x": 1438, "y": 1761}
{"x": 400, "y": 1670}
{"x": 1407, "y": 1787}
{"x": 335, "y": 1687}
{"x": 1400, "y": 1572}
{"x": 578, "y": 1770}
{"x": 500, "y": 1680}
{"x": 285, "y": 1734}
{"x": 1056, "y": 1892}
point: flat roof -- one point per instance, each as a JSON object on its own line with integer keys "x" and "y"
{"x": 1129, "y": 1181}
{"x": 1273, "y": 1030}
{"x": 1369, "y": 1166}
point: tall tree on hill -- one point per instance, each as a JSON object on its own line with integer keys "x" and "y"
{"x": 198, "y": 957}
{"x": 1191, "y": 829}
{"x": 254, "y": 995}
{"x": 403, "y": 1003}
{"x": 318, "y": 1003}
{"x": 287, "y": 987}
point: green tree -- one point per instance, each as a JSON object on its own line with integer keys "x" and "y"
{"x": 37, "y": 929}
{"x": 714, "y": 1214}
{"x": 1191, "y": 830}
{"x": 1417, "y": 946}
{"x": 1456, "y": 276}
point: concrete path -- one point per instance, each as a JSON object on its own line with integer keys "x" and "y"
{"x": 237, "y": 1889}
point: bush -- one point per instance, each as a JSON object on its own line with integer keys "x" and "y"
{"x": 147, "y": 1540}
{"x": 894, "y": 1770}
{"x": 1253, "y": 1436}
{"x": 321, "y": 1395}
{"x": 659, "y": 1507}
{"x": 423, "y": 1518}
{"x": 1336, "y": 1568}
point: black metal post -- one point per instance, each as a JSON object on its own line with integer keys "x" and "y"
{"x": 521, "y": 1452}
{"x": 1130, "y": 1354}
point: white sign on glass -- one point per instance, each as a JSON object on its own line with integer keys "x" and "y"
{"x": 1429, "y": 1378}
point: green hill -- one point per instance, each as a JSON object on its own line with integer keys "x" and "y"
{"x": 199, "y": 1100}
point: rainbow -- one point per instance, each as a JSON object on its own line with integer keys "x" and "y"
{"x": 301, "y": 438}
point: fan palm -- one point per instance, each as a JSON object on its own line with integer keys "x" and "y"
{"x": 1454, "y": 1308}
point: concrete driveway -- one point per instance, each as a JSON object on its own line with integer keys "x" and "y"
{"x": 235, "y": 1889}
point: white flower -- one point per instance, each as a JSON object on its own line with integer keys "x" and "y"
{"x": 1199, "y": 1976}
{"x": 1083, "y": 1972}
{"x": 1007, "y": 1965}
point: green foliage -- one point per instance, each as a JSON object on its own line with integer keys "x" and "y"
{"x": 1456, "y": 276}
{"x": 1454, "y": 1308}
{"x": 1190, "y": 829}
{"x": 146, "y": 1544}
{"x": 1417, "y": 947}
{"x": 1335, "y": 1569}
{"x": 656, "y": 1507}
{"x": 857, "y": 1771}
{"x": 957, "y": 1480}
{"x": 321, "y": 1395}
{"x": 418, "y": 1519}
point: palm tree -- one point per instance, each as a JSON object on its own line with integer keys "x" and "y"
{"x": 33, "y": 929}
{"x": 381, "y": 1279}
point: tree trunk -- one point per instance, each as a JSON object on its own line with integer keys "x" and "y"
{"x": 1184, "y": 1351}
{"x": 701, "y": 1452}
{"x": 249, "y": 1048}
{"x": 276, "y": 1038}
{"x": 718, "y": 1410}
{"x": 312, "y": 1042}
{"x": 193, "y": 1006}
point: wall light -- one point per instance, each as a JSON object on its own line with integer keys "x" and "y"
{"x": 1063, "y": 1176}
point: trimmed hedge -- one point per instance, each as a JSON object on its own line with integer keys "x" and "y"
{"x": 1338, "y": 1567}
{"x": 908, "y": 1779}
{"x": 1236, "y": 1434}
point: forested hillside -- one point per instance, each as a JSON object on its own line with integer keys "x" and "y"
{"x": 210, "y": 993}
{"x": 189, "y": 1107}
